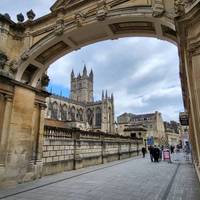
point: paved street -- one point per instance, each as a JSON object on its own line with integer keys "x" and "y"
{"x": 131, "y": 179}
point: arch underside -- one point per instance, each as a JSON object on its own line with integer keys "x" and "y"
{"x": 53, "y": 46}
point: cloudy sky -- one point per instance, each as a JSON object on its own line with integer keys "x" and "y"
{"x": 142, "y": 73}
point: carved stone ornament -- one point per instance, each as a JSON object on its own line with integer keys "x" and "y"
{"x": 101, "y": 10}
{"x": 25, "y": 55}
{"x": 59, "y": 27}
{"x": 30, "y": 14}
{"x": 79, "y": 18}
{"x": 7, "y": 68}
{"x": 13, "y": 65}
{"x": 158, "y": 8}
{"x": 45, "y": 80}
{"x": 20, "y": 17}
{"x": 3, "y": 60}
{"x": 179, "y": 7}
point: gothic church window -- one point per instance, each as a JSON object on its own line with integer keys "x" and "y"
{"x": 54, "y": 113}
{"x": 64, "y": 113}
{"x": 90, "y": 117}
{"x": 73, "y": 112}
{"x": 98, "y": 117}
{"x": 81, "y": 114}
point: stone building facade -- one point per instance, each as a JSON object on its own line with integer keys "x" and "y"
{"x": 153, "y": 123}
{"x": 80, "y": 110}
{"x": 172, "y": 132}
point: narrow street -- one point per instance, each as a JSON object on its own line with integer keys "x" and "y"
{"x": 131, "y": 179}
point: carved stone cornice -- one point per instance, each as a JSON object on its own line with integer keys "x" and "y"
{"x": 59, "y": 29}
{"x": 102, "y": 10}
{"x": 79, "y": 19}
{"x": 179, "y": 7}
{"x": 158, "y": 8}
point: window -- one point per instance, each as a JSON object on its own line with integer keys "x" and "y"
{"x": 98, "y": 117}
{"x": 64, "y": 113}
{"x": 133, "y": 135}
{"x": 81, "y": 114}
{"x": 89, "y": 117}
{"x": 73, "y": 114}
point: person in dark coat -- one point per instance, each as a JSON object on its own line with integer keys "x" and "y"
{"x": 151, "y": 152}
{"x": 156, "y": 154}
{"x": 143, "y": 151}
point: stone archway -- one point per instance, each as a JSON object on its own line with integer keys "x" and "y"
{"x": 28, "y": 48}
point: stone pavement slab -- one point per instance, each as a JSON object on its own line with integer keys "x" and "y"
{"x": 131, "y": 179}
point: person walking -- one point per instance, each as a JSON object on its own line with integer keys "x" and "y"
{"x": 151, "y": 152}
{"x": 143, "y": 151}
{"x": 156, "y": 154}
{"x": 187, "y": 151}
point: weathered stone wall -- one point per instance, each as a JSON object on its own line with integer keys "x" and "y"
{"x": 66, "y": 149}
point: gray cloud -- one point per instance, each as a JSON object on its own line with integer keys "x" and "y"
{"x": 143, "y": 73}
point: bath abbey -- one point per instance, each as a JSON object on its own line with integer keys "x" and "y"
{"x": 80, "y": 110}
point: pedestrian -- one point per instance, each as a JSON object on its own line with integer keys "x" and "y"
{"x": 156, "y": 154}
{"x": 143, "y": 151}
{"x": 187, "y": 151}
{"x": 172, "y": 149}
{"x": 151, "y": 151}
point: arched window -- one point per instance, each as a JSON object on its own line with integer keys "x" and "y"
{"x": 64, "y": 113}
{"x": 54, "y": 112}
{"x": 98, "y": 117}
{"x": 90, "y": 117}
{"x": 73, "y": 113}
{"x": 110, "y": 119}
{"x": 81, "y": 114}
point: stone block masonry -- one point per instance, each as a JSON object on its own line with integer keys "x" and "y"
{"x": 69, "y": 149}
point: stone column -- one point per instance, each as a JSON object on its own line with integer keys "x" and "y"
{"x": 36, "y": 164}
{"x": 2, "y": 112}
{"x": 19, "y": 141}
{"x": 193, "y": 142}
{"x": 5, "y": 115}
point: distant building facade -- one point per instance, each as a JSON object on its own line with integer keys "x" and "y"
{"x": 80, "y": 110}
{"x": 151, "y": 124}
{"x": 172, "y": 131}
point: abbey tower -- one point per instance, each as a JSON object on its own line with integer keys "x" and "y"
{"x": 82, "y": 86}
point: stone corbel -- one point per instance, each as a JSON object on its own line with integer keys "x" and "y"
{"x": 158, "y": 8}
{"x": 102, "y": 10}
{"x": 79, "y": 19}
{"x": 179, "y": 7}
{"x": 45, "y": 80}
{"x": 59, "y": 29}
{"x": 13, "y": 65}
